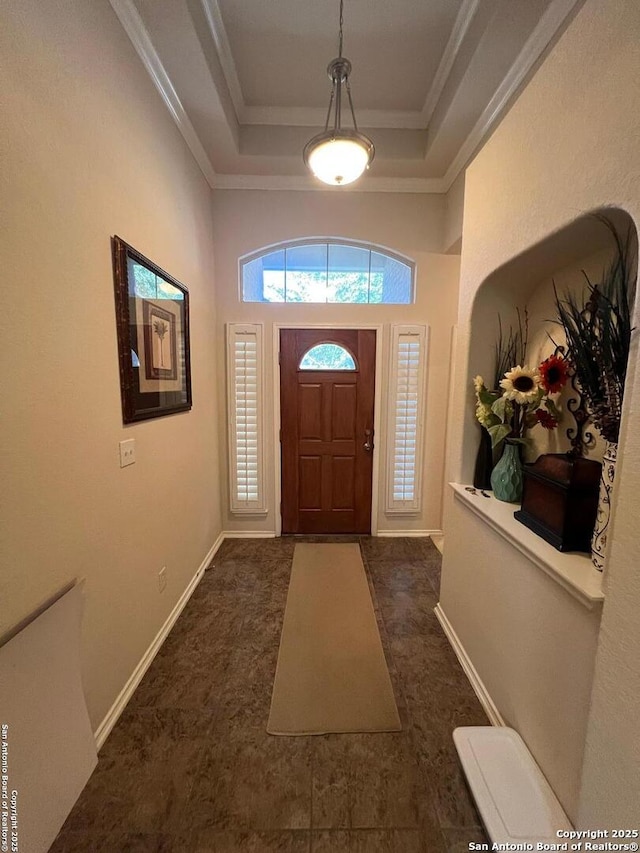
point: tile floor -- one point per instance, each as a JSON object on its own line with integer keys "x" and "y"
{"x": 190, "y": 767}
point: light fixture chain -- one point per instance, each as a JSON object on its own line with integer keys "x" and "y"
{"x": 341, "y": 22}
{"x": 353, "y": 114}
{"x": 333, "y": 91}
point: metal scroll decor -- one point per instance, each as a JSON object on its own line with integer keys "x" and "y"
{"x": 580, "y": 438}
{"x": 601, "y": 529}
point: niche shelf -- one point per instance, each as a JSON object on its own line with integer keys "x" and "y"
{"x": 573, "y": 571}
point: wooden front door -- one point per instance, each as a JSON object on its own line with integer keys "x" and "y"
{"x": 327, "y": 431}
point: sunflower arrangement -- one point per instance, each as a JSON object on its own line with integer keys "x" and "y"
{"x": 523, "y": 402}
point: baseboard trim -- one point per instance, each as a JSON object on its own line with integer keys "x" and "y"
{"x": 476, "y": 682}
{"x": 266, "y": 534}
{"x": 414, "y": 533}
{"x": 212, "y": 551}
{"x": 438, "y": 541}
{"x": 113, "y": 714}
{"x": 249, "y": 534}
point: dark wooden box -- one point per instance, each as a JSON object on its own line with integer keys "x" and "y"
{"x": 560, "y": 500}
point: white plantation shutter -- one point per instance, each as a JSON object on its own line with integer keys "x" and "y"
{"x": 244, "y": 366}
{"x": 406, "y": 416}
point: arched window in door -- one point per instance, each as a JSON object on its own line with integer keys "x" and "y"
{"x": 327, "y": 357}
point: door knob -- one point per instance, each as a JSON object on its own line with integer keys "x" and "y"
{"x": 368, "y": 443}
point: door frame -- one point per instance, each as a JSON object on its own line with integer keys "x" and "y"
{"x": 378, "y": 328}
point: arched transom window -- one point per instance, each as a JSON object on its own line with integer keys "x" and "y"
{"x": 327, "y": 271}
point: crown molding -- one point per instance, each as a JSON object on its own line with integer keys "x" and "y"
{"x": 461, "y": 25}
{"x": 538, "y": 41}
{"x": 135, "y": 29}
{"x": 223, "y": 46}
{"x": 303, "y": 183}
{"x": 316, "y": 117}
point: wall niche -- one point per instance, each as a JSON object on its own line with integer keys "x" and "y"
{"x": 526, "y": 282}
{"x": 523, "y": 616}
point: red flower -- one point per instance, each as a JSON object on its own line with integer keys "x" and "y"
{"x": 554, "y": 374}
{"x": 546, "y": 419}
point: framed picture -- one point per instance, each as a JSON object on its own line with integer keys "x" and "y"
{"x": 152, "y": 316}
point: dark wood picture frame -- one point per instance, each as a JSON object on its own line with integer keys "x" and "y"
{"x": 152, "y": 319}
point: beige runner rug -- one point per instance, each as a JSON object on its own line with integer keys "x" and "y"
{"x": 331, "y": 674}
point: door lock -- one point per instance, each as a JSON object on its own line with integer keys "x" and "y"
{"x": 368, "y": 443}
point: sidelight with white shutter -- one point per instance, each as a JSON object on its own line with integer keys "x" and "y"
{"x": 244, "y": 382}
{"x": 407, "y": 393}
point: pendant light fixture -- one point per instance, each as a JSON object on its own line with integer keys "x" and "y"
{"x": 339, "y": 155}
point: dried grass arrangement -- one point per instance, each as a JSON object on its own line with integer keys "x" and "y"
{"x": 598, "y": 329}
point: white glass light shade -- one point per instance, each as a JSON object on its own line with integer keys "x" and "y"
{"x": 339, "y": 161}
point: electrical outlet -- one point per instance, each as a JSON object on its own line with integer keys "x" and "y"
{"x": 127, "y": 452}
{"x": 162, "y": 579}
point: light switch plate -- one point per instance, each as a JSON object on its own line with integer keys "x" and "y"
{"x": 127, "y": 452}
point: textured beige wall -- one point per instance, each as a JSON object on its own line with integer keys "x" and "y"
{"x": 454, "y": 214}
{"x": 410, "y": 224}
{"x": 532, "y": 643}
{"x": 568, "y": 145}
{"x": 90, "y": 152}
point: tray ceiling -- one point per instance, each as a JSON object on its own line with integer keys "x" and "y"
{"x": 246, "y": 80}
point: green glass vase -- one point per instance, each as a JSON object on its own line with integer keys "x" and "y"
{"x": 506, "y": 477}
